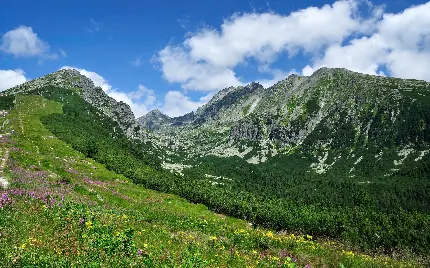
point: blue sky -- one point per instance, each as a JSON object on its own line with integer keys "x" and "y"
{"x": 174, "y": 55}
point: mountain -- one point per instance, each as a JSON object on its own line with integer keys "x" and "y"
{"x": 79, "y": 84}
{"x": 154, "y": 120}
{"x": 334, "y": 114}
{"x": 337, "y": 156}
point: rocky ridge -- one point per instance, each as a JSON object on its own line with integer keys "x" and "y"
{"x": 332, "y": 114}
{"x": 82, "y": 85}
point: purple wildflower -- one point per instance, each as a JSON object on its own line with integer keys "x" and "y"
{"x": 283, "y": 253}
{"x": 4, "y": 200}
{"x": 97, "y": 183}
{"x": 139, "y": 252}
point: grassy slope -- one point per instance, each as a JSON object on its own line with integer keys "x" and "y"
{"x": 105, "y": 220}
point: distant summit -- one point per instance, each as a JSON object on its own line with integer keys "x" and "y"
{"x": 154, "y": 119}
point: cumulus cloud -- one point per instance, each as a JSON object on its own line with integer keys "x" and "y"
{"x": 179, "y": 67}
{"x": 277, "y": 75}
{"x": 23, "y": 42}
{"x": 176, "y": 103}
{"x": 400, "y": 43}
{"x": 11, "y": 78}
{"x": 353, "y": 34}
{"x": 206, "y": 60}
{"x": 361, "y": 55}
{"x": 141, "y": 101}
{"x": 263, "y": 36}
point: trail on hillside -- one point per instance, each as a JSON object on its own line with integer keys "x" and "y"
{"x": 3, "y": 182}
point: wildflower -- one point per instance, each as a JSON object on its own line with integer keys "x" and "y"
{"x": 139, "y": 253}
{"x": 269, "y": 234}
{"x": 89, "y": 224}
{"x": 283, "y": 253}
{"x": 4, "y": 199}
{"x": 81, "y": 221}
{"x": 145, "y": 245}
{"x": 308, "y": 266}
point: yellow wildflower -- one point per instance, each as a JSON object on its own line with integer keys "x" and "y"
{"x": 89, "y": 224}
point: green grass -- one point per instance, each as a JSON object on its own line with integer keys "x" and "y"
{"x": 106, "y": 220}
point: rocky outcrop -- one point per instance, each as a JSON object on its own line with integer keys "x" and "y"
{"x": 247, "y": 129}
{"x": 154, "y": 120}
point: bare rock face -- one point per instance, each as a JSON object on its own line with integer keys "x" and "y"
{"x": 154, "y": 120}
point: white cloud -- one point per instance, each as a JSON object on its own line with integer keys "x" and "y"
{"x": 277, "y": 75}
{"x": 409, "y": 64}
{"x": 361, "y": 55}
{"x": 11, "y": 78}
{"x": 206, "y": 60}
{"x": 23, "y": 42}
{"x": 353, "y": 34}
{"x": 176, "y": 103}
{"x": 400, "y": 43}
{"x": 179, "y": 67}
{"x": 140, "y": 101}
{"x": 264, "y": 35}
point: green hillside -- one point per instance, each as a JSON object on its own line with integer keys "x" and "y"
{"x": 64, "y": 209}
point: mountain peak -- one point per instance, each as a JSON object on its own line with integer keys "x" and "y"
{"x": 73, "y": 80}
{"x": 63, "y": 78}
{"x": 154, "y": 119}
{"x": 155, "y": 112}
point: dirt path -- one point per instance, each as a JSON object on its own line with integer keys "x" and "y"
{"x": 3, "y": 182}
